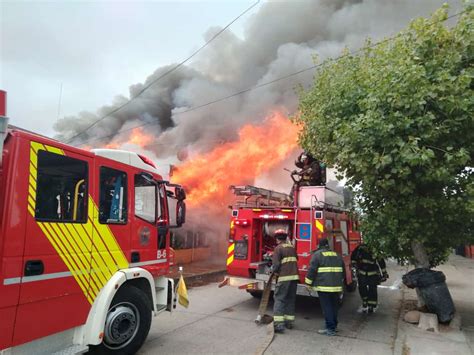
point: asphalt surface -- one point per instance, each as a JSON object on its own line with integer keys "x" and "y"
{"x": 221, "y": 321}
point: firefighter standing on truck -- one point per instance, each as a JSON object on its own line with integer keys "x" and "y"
{"x": 326, "y": 275}
{"x": 284, "y": 266}
{"x": 312, "y": 173}
{"x": 370, "y": 272}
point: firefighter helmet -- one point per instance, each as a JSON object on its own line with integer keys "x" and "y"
{"x": 280, "y": 233}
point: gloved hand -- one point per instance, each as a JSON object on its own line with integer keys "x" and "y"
{"x": 384, "y": 277}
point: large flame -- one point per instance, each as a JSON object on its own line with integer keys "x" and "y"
{"x": 207, "y": 177}
{"x": 137, "y": 137}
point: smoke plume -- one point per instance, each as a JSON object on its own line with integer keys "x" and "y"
{"x": 279, "y": 39}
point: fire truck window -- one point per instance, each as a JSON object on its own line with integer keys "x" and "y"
{"x": 61, "y": 188}
{"x": 145, "y": 199}
{"x": 113, "y": 196}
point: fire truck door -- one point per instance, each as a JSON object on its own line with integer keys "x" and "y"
{"x": 111, "y": 243}
{"x": 56, "y": 260}
{"x": 146, "y": 205}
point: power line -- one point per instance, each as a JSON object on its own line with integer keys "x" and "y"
{"x": 153, "y": 82}
{"x": 238, "y": 93}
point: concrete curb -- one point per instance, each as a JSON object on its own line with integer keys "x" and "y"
{"x": 399, "y": 342}
{"x": 410, "y": 339}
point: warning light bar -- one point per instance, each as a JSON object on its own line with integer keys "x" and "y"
{"x": 241, "y": 222}
{"x": 273, "y": 216}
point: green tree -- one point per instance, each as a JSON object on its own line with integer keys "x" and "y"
{"x": 397, "y": 119}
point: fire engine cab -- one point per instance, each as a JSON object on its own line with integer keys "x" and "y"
{"x": 84, "y": 245}
{"x": 256, "y": 213}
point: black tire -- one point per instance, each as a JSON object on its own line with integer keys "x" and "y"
{"x": 256, "y": 294}
{"x": 127, "y": 324}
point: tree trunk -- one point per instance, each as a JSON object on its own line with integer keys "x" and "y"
{"x": 419, "y": 252}
{"x": 421, "y": 260}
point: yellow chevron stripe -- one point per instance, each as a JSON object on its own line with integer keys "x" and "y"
{"x": 108, "y": 238}
{"x": 31, "y": 210}
{"x": 33, "y": 182}
{"x": 32, "y": 203}
{"x": 37, "y": 146}
{"x": 231, "y": 248}
{"x": 319, "y": 226}
{"x": 69, "y": 232}
{"x": 75, "y": 253}
{"x": 54, "y": 150}
{"x": 66, "y": 257}
{"x": 230, "y": 259}
{"x": 99, "y": 270}
{"x": 97, "y": 263}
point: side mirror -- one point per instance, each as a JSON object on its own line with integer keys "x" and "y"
{"x": 180, "y": 193}
{"x": 180, "y": 213}
{"x": 176, "y": 207}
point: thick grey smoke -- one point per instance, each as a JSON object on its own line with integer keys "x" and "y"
{"x": 281, "y": 38}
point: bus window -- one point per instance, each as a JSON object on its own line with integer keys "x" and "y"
{"x": 113, "y": 196}
{"x": 61, "y": 188}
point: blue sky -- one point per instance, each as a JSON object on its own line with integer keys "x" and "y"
{"x": 95, "y": 49}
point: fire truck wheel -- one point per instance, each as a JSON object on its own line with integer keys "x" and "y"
{"x": 127, "y": 323}
{"x": 256, "y": 294}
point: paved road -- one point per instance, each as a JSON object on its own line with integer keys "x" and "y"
{"x": 221, "y": 321}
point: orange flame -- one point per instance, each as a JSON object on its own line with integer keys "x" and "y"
{"x": 207, "y": 177}
{"x": 138, "y": 137}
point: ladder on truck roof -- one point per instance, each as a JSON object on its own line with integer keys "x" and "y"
{"x": 253, "y": 196}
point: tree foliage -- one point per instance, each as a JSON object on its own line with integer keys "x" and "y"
{"x": 397, "y": 118}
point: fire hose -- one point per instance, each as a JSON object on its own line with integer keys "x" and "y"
{"x": 263, "y": 318}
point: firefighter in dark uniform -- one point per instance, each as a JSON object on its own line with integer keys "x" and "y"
{"x": 284, "y": 266}
{"x": 326, "y": 275}
{"x": 370, "y": 273}
{"x": 312, "y": 173}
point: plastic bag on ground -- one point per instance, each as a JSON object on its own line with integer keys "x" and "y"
{"x": 433, "y": 290}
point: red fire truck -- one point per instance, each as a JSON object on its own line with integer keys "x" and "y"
{"x": 257, "y": 213}
{"x": 84, "y": 245}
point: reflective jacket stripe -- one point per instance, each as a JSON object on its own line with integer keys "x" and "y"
{"x": 329, "y": 253}
{"x": 328, "y": 288}
{"x": 330, "y": 269}
{"x": 366, "y": 261}
{"x": 308, "y": 281}
{"x": 289, "y": 259}
{"x": 368, "y": 273}
{"x": 288, "y": 278}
